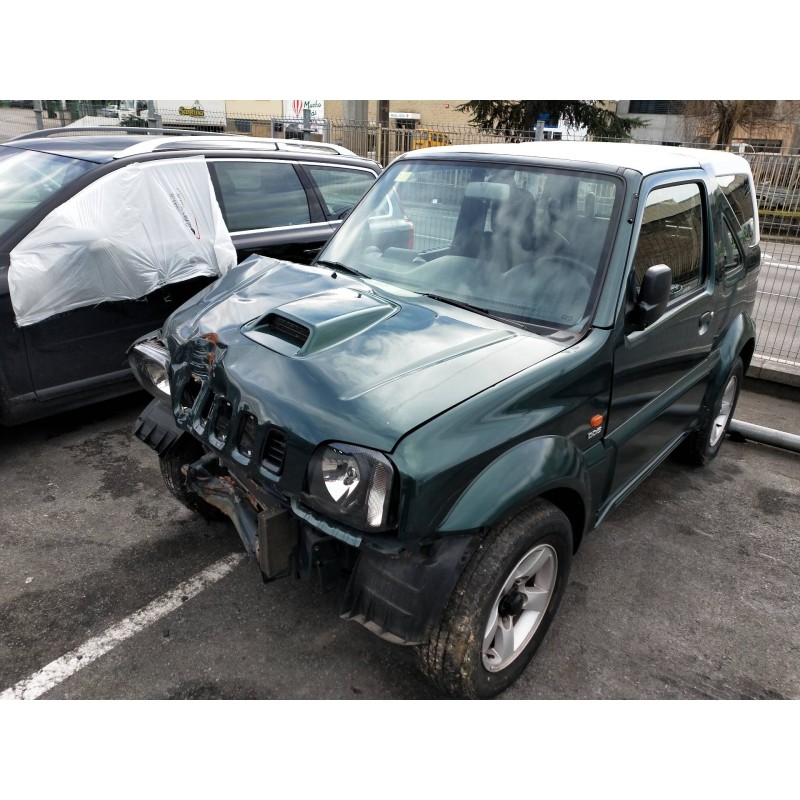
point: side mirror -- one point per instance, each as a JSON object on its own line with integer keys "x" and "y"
{"x": 653, "y": 296}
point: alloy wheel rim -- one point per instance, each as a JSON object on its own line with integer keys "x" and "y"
{"x": 724, "y": 413}
{"x": 519, "y": 607}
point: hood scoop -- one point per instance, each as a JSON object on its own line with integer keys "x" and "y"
{"x": 284, "y": 328}
{"x": 310, "y": 324}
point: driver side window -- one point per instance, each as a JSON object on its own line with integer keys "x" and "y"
{"x": 672, "y": 234}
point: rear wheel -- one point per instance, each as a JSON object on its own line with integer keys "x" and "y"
{"x": 502, "y": 605}
{"x": 703, "y": 445}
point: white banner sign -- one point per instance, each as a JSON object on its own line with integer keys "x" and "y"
{"x": 293, "y": 109}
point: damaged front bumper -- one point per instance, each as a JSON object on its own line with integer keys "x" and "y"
{"x": 395, "y": 591}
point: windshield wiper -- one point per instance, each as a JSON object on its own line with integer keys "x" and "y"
{"x": 340, "y": 268}
{"x": 467, "y": 307}
{"x": 457, "y": 303}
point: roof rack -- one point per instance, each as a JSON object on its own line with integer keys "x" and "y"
{"x": 226, "y": 140}
{"x": 77, "y": 129}
{"x": 261, "y": 143}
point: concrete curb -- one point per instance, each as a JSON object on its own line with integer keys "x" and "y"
{"x": 775, "y": 370}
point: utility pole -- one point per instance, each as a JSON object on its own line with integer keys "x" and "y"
{"x": 383, "y": 128}
{"x": 356, "y": 121}
{"x": 153, "y": 119}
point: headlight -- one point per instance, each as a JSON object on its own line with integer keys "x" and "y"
{"x": 352, "y": 484}
{"x": 150, "y": 363}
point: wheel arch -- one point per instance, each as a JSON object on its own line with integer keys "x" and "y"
{"x": 550, "y": 467}
{"x": 738, "y": 341}
{"x": 746, "y": 353}
{"x": 572, "y": 504}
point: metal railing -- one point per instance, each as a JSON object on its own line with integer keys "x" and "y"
{"x": 777, "y": 310}
{"x": 776, "y": 177}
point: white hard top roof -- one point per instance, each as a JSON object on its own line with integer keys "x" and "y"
{"x": 644, "y": 158}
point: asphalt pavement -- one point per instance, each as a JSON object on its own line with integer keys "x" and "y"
{"x": 689, "y": 590}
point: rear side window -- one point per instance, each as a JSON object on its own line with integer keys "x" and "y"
{"x": 340, "y": 188}
{"x": 672, "y": 234}
{"x": 727, "y": 255}
{"x": 260, "y": 194}
{"x": 29, "y": 178}
{"x": 736, "y": 189}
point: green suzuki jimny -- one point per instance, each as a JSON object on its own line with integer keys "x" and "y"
{"x": 495, "y": 348}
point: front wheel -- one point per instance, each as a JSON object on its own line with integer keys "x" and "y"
{"x": 703, "y": 445}
{"x": 502, "y": 605}
{"x": 171, "y": 461}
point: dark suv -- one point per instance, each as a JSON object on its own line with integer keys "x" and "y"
{"x": 446, "y": 417}
{"x": 103, "y": 235}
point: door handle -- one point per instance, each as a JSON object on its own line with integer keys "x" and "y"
{"x": 705, "y": 321}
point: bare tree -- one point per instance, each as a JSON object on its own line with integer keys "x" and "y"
{"x": 719, "y": 120}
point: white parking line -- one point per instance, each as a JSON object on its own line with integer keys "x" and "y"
{"x": 59, "y": 670}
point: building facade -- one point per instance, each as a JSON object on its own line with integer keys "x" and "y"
{"x": 776, "y": 128}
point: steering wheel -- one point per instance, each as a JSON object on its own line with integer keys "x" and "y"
{"x": 560, "y": 238}
{"x": 586, "y": 272}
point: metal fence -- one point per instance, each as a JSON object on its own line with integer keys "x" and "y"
{"x": 776, "y": 176}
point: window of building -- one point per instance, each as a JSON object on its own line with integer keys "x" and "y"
{"x": 655, "y": 107}
{"x": 764, "y": 145}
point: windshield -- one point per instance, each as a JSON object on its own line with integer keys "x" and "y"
{"x": 28, "y": 178}
{"x": 524, "y": 244}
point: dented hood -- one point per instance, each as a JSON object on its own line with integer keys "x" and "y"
{"x": 326, "y": 356}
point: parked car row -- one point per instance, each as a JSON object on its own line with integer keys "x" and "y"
{"x": 90, "y": 226}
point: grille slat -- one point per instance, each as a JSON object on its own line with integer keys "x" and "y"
{"x": 222, "y": 426}
{"x": 190, "y": 393}
{"x": 248, "y": 432}
{"x": 274, "y": 451}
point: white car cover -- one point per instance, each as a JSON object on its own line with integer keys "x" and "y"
{"x": 120, "y": 238}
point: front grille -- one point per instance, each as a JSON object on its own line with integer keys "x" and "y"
{"x": 203, "y": 354}
{"x": 205, "y": 409}
{"x": 222, "y": 426}
{"x": 190, "y": 393}
{"x": 274, "y": 451}
{"x": 247, "y": 435}
{"x": 198, "y": 361}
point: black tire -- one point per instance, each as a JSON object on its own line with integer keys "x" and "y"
{"x": 457, "y": 658}
{"x": 702, "y": 446}
{"x": 185, "y": 451}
